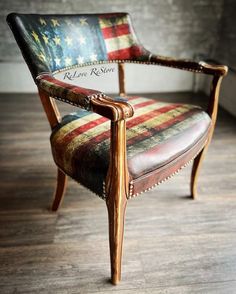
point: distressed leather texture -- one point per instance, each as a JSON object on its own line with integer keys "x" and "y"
{"x": 52, "y": 42}
{"x": 158, "y": 134}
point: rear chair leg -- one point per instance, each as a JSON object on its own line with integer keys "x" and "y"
{"x": 212, "y": 111}
{"x": 197, "y": 163}
{"x": 60, "y": 189}
{"x": 195, "y": 173}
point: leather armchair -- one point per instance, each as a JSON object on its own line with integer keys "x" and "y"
{"x": 116, "y": 147}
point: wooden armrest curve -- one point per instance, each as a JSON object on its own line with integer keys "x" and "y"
{"x": 189, "y": 65}
{"x": 89, "y": 99}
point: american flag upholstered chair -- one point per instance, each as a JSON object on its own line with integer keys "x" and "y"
{"x": 116, "y": 147}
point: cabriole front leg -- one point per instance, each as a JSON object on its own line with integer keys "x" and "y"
{"x": 116, "y": 196}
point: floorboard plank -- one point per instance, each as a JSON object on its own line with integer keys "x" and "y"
{"x": 172, "y": 243}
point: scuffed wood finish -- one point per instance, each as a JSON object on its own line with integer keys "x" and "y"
{"x": 112, "y": 109}
{"x": 121, "y": 72}
{"x": 60, "y": 189}
{"x": 50, "y": 108}
{"x": 212, "y": 111}
{"x": 117, "y": 192}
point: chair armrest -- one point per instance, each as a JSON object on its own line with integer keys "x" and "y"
{"x": 189, "y": 65}
{"x": 91, "y": 100}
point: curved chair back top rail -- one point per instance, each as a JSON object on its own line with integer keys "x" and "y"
{"x": 53, "y": 42}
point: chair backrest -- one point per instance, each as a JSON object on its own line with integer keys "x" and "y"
{"x": 54, "y": 42}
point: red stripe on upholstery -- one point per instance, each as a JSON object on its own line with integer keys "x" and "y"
{"x": 165, "y": 125}
{"x": 91, "y": 124}
{"x": 133, "y": 97}
{"x": 81, "y": 151}
{"x": 136, "y": 121}
{"x": 166, "y": 151}
{"x": 143, "y": 104}
{"x": 94, "y": 123}
{"x": 115, "y": 31}
{"x": 133, "y": 51}
{"x": 142, "y": 118}
{"x": 192, "y": 130}
{"x": 131, "y": 123}
{"x": 120, "y": 54}
{"x": 84, "y": 128}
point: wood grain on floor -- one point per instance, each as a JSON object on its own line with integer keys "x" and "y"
{"x": 172, "y": 244}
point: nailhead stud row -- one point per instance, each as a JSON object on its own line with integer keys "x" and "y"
{"x": 128, "y": 61}
{"x": 88, "y": 98}
{"x": 158, "y": 183}
{"x": 131, "y": 184}
{"x": 103, "y": 190}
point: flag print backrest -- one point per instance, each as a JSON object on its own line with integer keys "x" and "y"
{"x": 53, "y": 42}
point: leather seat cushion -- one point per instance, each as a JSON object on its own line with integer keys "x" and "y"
{"x": 158, "y": 133}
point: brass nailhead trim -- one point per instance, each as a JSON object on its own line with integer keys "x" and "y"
{"x": 131, "y": 195}
{"x": 158, "y": 183}
{"x": 95, "y": 96}
{"x": 103, "y": 191}
{"x": 128, "y": 61}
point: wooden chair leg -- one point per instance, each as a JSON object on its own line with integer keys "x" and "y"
{"x": 117, "y": 190}
{"x": 116, "y": 216}
{"x": 197, "y": 163}
{"x": 60, "y": 189}
{"x": 212, "y": 111}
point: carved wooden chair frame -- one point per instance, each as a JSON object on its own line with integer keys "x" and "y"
{"x": 117, "y": 181}
{"x": 118, "y": 186}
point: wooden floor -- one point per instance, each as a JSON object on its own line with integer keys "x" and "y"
{"x": 172, "y": 243}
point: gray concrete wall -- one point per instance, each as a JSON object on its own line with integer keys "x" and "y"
{"x": 226, "y": 54}
{"x": 226, "y": 49}
{"x": 181, "y": 28}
